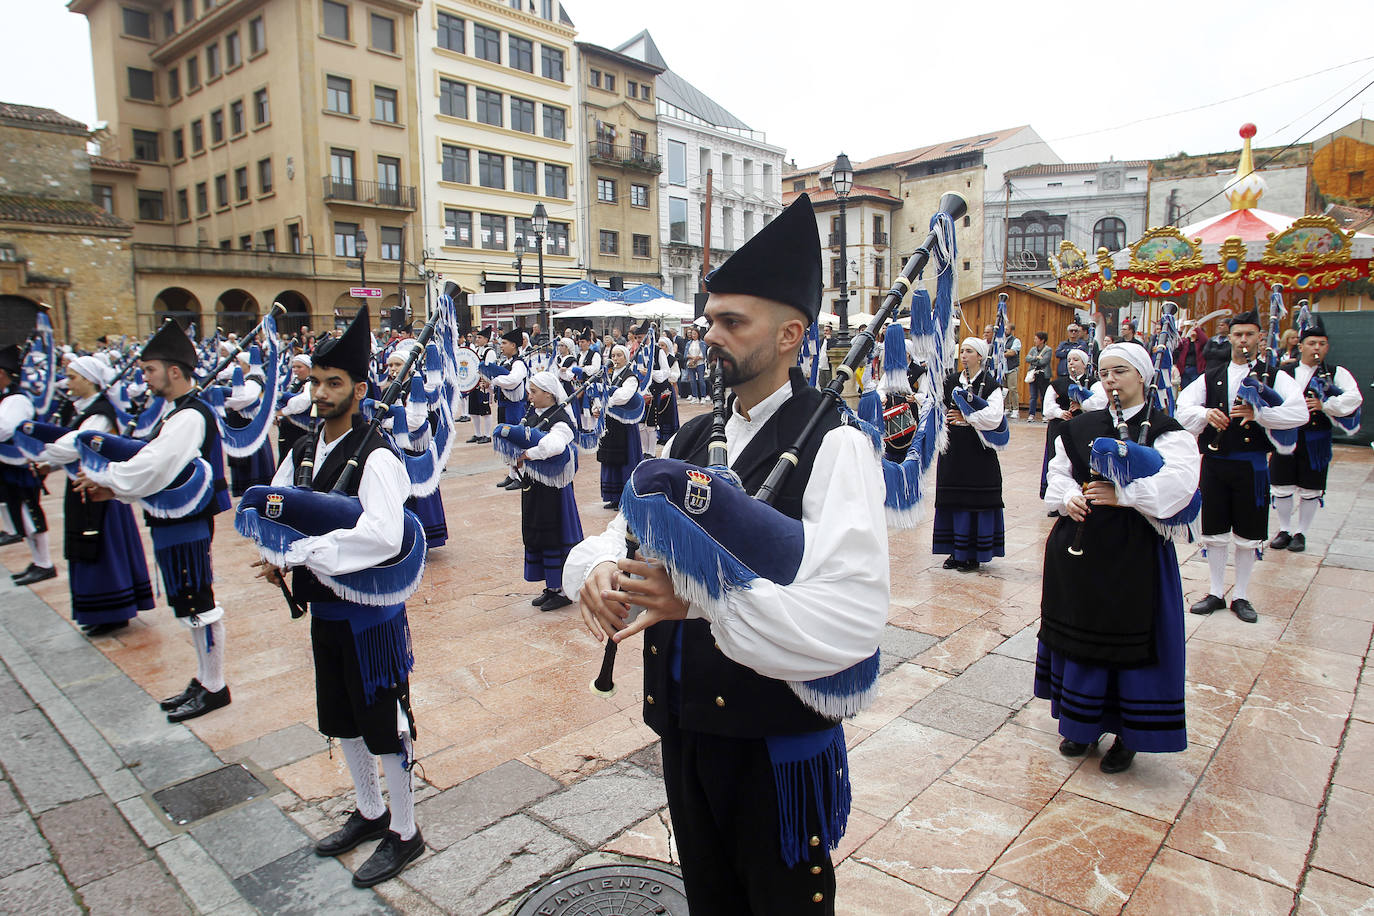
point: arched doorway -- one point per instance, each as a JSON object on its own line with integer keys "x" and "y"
{"x": 236, "y": 311}
{"x": 345, "y": 307}
{"x": 18, "y": 319}
{"x": 180, "y": 305}
{"x": 297, "y": 317}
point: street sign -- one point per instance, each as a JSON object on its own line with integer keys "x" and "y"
{"x": 365, "y": 292}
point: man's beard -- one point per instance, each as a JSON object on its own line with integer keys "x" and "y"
{"x": 736, "y": 371}
{"x": 345, "y": 407}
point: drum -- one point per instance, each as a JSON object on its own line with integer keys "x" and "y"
{"x": 899, "y": 425}
{"x": 467, "y": 361}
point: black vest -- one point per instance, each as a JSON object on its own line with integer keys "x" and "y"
{"x": 1319, "y": 421}
{"x": 968, "y": 474}
{"x": 615, "y": 438}
{"x": 719, "y": 696}
{"x": 210, "y": 449}
{"x": 541, "y": 506}
{"x": 1238, "y": 437}
{"x": 84, "y": 519}
{"x": 1060, "y": 386}
{"x": 304, "y": 585}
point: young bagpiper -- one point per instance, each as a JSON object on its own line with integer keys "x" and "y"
{"x": 968, "y": 477}
{"x": 619, "y": 450}
{"x": 479, "y": 399}
{"x": 19, "y": 486}
{"x": 1333, "y": 398}
{"x": 508, "y": 388}
{"x": 1111, "y": 548}
{"x": 362, "y": 652}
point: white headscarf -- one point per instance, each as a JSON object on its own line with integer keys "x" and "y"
{"x": 623, "y": 349}
{"x": 976, "y": 343}
{"x": 1134, "y": 354}
{"x": 302, "y": 359}
{"x": 92, "y": 369}
{"x": 546, "y": 381}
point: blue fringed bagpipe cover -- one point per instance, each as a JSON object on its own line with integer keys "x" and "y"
{"x": 189, "y": 493}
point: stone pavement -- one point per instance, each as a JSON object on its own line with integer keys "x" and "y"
{"x": 962, "y": 802}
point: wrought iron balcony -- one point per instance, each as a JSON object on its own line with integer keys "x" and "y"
{"x": 627, "y": 156}
{"x": 369, "y": 193}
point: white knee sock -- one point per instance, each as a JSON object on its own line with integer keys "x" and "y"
{"x": 7, "y": 523}
{"x": 212, "y": 659}
{"x": 1283, "y": 505}
{"x": 38, "y": 549}
{"x": 362, "y": 766}
{"x": 400, "y": 787}
{"x": 1307, "y": 510}
{"x": 1245, "y": 564}
{"x": 1216, "y": 565}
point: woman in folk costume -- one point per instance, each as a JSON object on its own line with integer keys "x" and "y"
{"x": 968, "y": 477}
{"x": 1111, "y": 651}
{"x": 243, "y": 401}
{"x": 661, "y": 413}
{"x": 415, "y": 440}
{"x": 1065, "y": 399}
{"x": 620, "y": 449}
{"x": 564, "y": 363}
{"x": 549, "y": 523}
{"x": 106, "y": 568}
{"x": 479, "y": 398}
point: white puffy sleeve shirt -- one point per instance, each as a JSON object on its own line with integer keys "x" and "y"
{"x": 159, "y": 462}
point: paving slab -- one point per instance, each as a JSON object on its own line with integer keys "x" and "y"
{"x": 481, "y": 801}
{"x": 41, "y": 765}
{"x": 279, "y": 748}
{"x": 899, "y": 645}
{"x": 38, "y": 889}
{"x": 201, "y": 879}
{"x": 303, "y": 883}
{"x": 958, "y": 714}
{"x": 21, "y": 845}
{"x": 996, "y": 679}
{"x": 601, "y": 806}
{"x": 91, "y": 840}
{"x": 248, "y": 838}
{"x": 145, "y": 888}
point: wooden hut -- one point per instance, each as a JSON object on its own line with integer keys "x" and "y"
{"x": 1028, "y": 308}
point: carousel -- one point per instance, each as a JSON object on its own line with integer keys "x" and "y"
{"x": 1226, "y": 263}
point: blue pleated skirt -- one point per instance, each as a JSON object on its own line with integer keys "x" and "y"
{"x": 1143, "y": 706}
{"x": 546, "y": 563}
{"x": 970, "y": 534}
{"x": 116, "y": 586}
{"x": 615, "y": 476}
{"x": 430, "y": 510}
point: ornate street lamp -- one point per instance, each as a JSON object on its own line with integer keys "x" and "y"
{"x": 842, "y": 180}
{"x": 540, "y": 223}
{"x": 519, "y": 262}
{"x": 360, "y": 245}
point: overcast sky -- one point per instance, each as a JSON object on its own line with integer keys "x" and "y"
{"x": 1095, "y": 79}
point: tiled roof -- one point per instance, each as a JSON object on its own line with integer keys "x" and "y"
{"x": 1064, "y": 168}
{"x": 675, "y": 90}
{"x": 1350, "y": 219}
{"x": 118, "y": 165}
{"x": 44, "y": 116}
{"x": 827, "y": 195}
{"x": 17, "y": 209}
{"x": 923, "y": 153}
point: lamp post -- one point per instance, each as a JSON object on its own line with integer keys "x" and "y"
{"x": 540, "y": 223}
{"x": 519, "y": 263}
{"x": 360, "y": 245}
{"x": 842, "y": 180}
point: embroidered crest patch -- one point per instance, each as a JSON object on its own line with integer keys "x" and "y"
{"x": 273, "y": 505}
{"x": 697, "y": 499}
{"x": 96, "y": 442}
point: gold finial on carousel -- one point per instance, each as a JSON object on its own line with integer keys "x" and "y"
{"x": 1246, "y": 188}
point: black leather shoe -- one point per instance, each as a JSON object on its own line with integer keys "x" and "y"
{"x": 199, "y": 705}
{"x": 610, "y": 505}
{"x": 483, "y": 439}
{"x": 105, "y": 629}
{"x": 503, "y": 483}
{"x": 951, "y": 563}
{"x": 515, "y": 485}
{"x": 969, "y": 566}
{"x": 1117, "y": 759}
{"x": 8, "y": 539}
{"x": 542, "y": 597}
{"x": 37, "y": 574}
{"x": 193, "y": 689}
{"x": 1281, "y": 541}
{"x": 465, "y": 419}
{"x": 1299, "y": 543}
{"x": 1244, "y": 610}
{"x": 1070, "y": 748}
{"x": 357, "y": 829}
{"x": 1207, "y": 605}
{"x": 23, "y": 572}
{"x": 391, "y": 857}
{"x": 556, "y": 602}
{"x": 474, "y": 439}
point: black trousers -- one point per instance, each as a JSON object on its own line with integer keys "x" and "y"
{"x": 724, "y": 804}
{"x": 1228, "y": 500}
{"x": 342, "y": 708}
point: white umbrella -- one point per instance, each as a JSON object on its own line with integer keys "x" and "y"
{"x": 662, "y": 308}
{"x": 603, "y": 309}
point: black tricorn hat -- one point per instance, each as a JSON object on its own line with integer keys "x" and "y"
{"x": 170, "y": 343}
{"x": 642, "y": 329}
{"x": 11, "y": 359}
{"x": 515, "y": 336}
{"x": 782, "y": 262}
{"x": 1315, "y": 329}
{"x": 486, "y": 332}
{"x": 1250, "y": 317}
{"x": 351, "y": 351}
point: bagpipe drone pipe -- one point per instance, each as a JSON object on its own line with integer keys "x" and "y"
{"x": 713, "y": 538}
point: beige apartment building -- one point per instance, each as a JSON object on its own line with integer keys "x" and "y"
{"x": 498, "y": 136}
{"x": 620, "y": 122}
{"x": 254, "y": 145}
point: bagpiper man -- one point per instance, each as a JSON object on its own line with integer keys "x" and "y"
{"x": 755, "y": 775}
{"x": 362, "y": 652}
{"x": 20, "y": 487}
{"x": 1330, "y": 393}
{"x": 1236, "y": 438}
{"x": 181, "y": 546}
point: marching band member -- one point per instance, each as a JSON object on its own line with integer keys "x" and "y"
{"x": 106, "y": 569}
{"x": 588, "y": 364}
{"x": 1062, "y": 401}
{"x": 415, "y": 440}
{"x": 1119, "y": 672}
{"x": 968, "y": 477}
{"x": 619, "y": 450}
{"x": 479, "y": 399}
{"x": 295, "y": 403}
{"x": 752, "y": 771}
{"x": 661, "y": 413}
{"x": 181, "y": 546}
{"x": 20, "y": 487}
{"x": 564, "y": 363}
{"x": 239, "y": 406}
{"x": 508, "y": 389}
{"x": 362, "y": 652}
{"x": 1329, "y": 392}
{"x": 549, "y": 522}
{"x": 1236, "y": 441}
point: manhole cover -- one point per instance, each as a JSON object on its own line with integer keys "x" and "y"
{"x": 204, "y": 795}
{"x": 610, "y": 890}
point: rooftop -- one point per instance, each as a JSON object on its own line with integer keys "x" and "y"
{"x": 16, "y": 208}
{"x": 676, "y": 91}
{"x": 116, "y": 165}
{"x": 1067, "y": 168}
{"x": 41, "y": 119}
{"x": 921, "y": 154}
